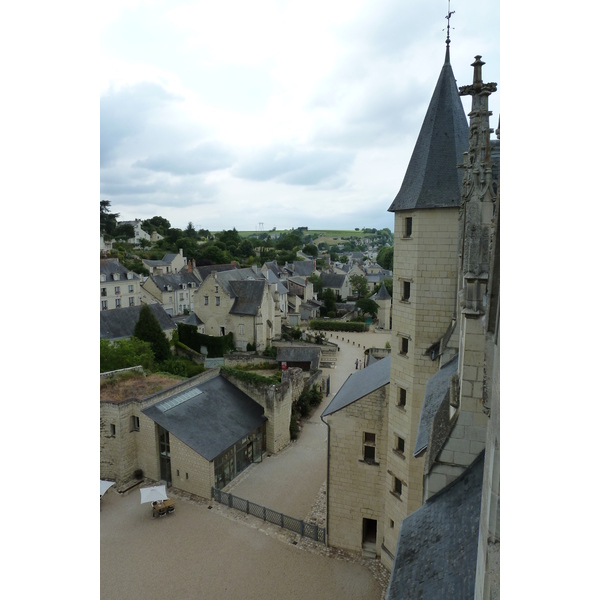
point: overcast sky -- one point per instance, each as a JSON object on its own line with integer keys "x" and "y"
{"x": 283, "y": 113}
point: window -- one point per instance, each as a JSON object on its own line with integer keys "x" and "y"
{"x": 181, "y": 297}
{"x": 113, "y": 429}
{"x": 391, "y": 524}
{"x": 241, "y": 329}
{"x": 135, "y": 423}
{"x": 399, "y": 444}
{"x": 404, "y": 345}
{"x": 118, "y": 303}
{"x": 129, "y": 275}
{"x": 117, "y": 290}
{"x": 397, "y": 486}
{"x": 401, "y": 397}
{"x": 102, "y": 277}
{"x": 132, "y": 301}
{"x": 216, "y": 289}
{"x": 205, "y": 300}
{"x": 115, "y": 276}
{"x": 104, "y": 305}
{"x": 369, "y": 447}
{"x": 406, "y": 291}
{"x": 103, "y": 291}
{"x": 408, "y": 227}
{"x": 217, "y": 300}
{"x": 131, "y": 289}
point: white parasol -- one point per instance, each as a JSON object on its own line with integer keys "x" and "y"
{"x": 104, "y": 485}
{"x": 156, "y": 492}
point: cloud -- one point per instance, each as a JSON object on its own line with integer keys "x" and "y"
{"x": 295, "y": 166}
{"x": 206, "y": 156}
{"x": 125, "y": 114}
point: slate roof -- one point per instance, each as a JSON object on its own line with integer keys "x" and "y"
{"x": 249, "y": 295}
{"x": 210, "y": 417}
{"x": 299, "y": 354}
{"x": 432, "y": 179}
{"x": 273, "y": 267}
{"x": 174, "y": 279}
{"x": 382, "y": 294}
{"x": 191, "y": 319}
{"x": 333, "y": 280}
{"x": 436, "y": 388}
{"x": 302, "y": 268}
{"x": 108, "y": 266}
{"x": 436, "y": 556}
{"x": 120, "y": 322}
{"x": 272, "y": 278}
{"x": 359, "y": 384}
{"x": 205, "y": 271}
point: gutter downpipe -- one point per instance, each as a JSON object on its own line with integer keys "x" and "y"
{"x": 327, "y": 485}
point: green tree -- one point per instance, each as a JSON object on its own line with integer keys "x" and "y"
{"x": 328, "y": 298}
{"x": 385, "y": 257}
{"x": 311, "y": 250}
{"x": 389, "y": 284}
{"x": 368, "y": 306}
{"x": 359, "y": 285}
{"x": 317, "y": 283}
{"x": 158, "y": 224}
{"x": 124, "y": 232}
{"x": 148, "y": 329}
{"x": 125, "y": 353}
{"x": 108, "y": 220}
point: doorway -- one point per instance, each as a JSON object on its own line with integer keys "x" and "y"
{"x": 164, "y": 455}
{"x": 369, "y": 531}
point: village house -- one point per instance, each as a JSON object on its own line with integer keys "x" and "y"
{"x": 197, "y": 434}
{"x": 339, "y": 283}
{"x": 175, "y": 291}
{"x": 119, "y": 287}
{"x": 139, "y": 233}
{"x": 170, "y": 263}
{"x": 120, "y": 324}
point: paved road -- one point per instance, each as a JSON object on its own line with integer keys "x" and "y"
{"x": 289, "y": 482}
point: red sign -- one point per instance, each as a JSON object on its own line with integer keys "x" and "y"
{"x": 283, "y": 366}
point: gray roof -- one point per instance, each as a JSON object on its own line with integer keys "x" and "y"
{"x": 210, "y": 417}
{"x": 382, "y": 294}
{"x": 174, "y": 280}
{"x": 432, "y": 179}
{"x": 359, "y": 384}
{"x": 108, "y": 266}
{"x": 299, "y": 354}
{"x": 436, "y": 556}
{"x": 249, "y": 295}
{"x": 272, "y": 278}
{"x": 436, "y": 389}
{"x": 191, "y": 319}
{"x": 206, "y": 270}
{"x": 120, "y": 322}
{"x": 302, "y": 268}
{"x": 333, "y": 280}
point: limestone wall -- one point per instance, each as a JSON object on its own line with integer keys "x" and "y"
{"x": 356, "y": 488}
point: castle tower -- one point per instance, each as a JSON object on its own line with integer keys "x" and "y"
{"x": 426, "y": 238}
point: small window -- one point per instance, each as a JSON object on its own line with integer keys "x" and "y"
{"x": 397, "y": 486}
{"x": 102, "y": 277}
{"x": 113, "y": 429}
{"x": 241, "y": 329}
{"x": 131, "y": 289}
{"x": 117, "y": 290}
{"x": 399, "y": 444}
{"x": 104, "y": 305}
{"x": 132, "y": 301}
{"x": 391, "y": 524}
{"x": 129, "y": 275}
{"x": 135, "y": 423}
{"x": 118, "y": 303}
{"x": 408, "y": 227}
{"x": 401, "y": 397}
{"x": 181, "y": 297}
{"x": 103, "y": 291}
{"x": 205, "y": 300}
{"x": 406, "y": 291}
{"x": 404, "y": 345}
{"x": 217, "y": 300}
{"x": 369, "y": 447}
{"x": 187, "y": 476}
{"x": 216, "y": 289}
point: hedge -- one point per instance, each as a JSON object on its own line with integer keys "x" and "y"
{"x": 216, "y": 346}
{"x": 318, "y": 325}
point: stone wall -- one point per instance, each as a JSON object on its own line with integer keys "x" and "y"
{"x": 235, "y": 360}
{"x": 357, "y": 488}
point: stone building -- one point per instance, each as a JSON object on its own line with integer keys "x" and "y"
{"x": 119, "y": 287}
{"x": 434, "y": 506}
{"x": 199, "y": 433}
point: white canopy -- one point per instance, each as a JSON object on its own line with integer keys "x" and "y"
{"x": 156, "y": 492}
{"x": 104, "y": 485}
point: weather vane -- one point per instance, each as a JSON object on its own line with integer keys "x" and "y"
{"x": 448, "y": 26}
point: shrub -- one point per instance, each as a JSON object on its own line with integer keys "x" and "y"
{"x": 270, "y": 351}
{"x": 250, "y": 347}
{"x": 314, "y": 396}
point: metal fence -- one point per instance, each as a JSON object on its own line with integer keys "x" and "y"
{"x": 309, "y": 530}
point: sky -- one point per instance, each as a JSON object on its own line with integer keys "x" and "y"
{"x": 275, "y": 113}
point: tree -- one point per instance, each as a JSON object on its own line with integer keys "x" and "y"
{"x": 328, "y": 298}
{"x": 158, "y": 224}
{"x": 125, "y": 353}
{"x": 385, "y": 258}
{"x": 317, "y": 283}
{"x": 359, "y": 285}
{"x": 108, "y": 220}
{"x": 389, "y": 284}
{"x": 368, "y": 306}
{"x": 124, "y": 232}
{"x": 311, "y": 250}
{"x": 148, "y": 329}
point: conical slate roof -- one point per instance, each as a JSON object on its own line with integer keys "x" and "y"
{"x": 432, "y": 179}
{"x": 382, "y": 294}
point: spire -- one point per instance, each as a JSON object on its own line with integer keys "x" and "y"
{"x": 432, "y": 179}
{"x": 448, "y": 33}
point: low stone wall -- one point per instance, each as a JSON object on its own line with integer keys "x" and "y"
{"x": 235, "y": 360}
{"x": 183, "y": 350}
{"x": 139, "y": 369}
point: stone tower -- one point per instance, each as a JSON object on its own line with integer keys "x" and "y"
{"x": 426, "y": 237}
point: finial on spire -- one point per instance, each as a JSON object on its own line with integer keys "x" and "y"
{"x": 448, "y": 26}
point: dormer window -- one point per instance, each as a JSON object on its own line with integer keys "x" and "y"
{"x": 129, "y": 275}
{"x": 102, "y": 277}
{"x": 116, "y": 276}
